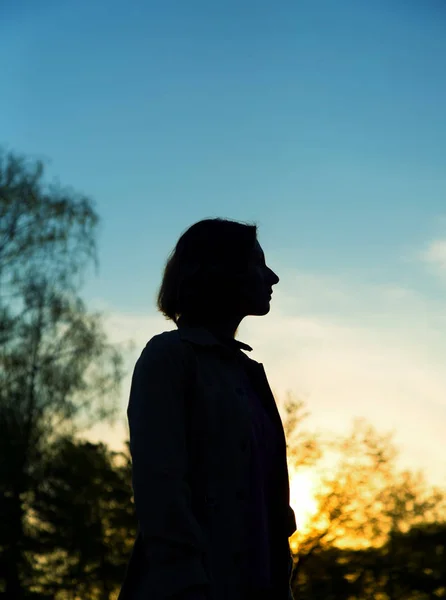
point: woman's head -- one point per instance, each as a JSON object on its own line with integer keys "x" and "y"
{"x": 216, "y": 269}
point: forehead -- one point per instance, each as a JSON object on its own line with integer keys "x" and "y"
{"x": 258, "y": 251}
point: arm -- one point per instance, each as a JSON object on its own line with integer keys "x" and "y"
{"x": 173, "y": 541}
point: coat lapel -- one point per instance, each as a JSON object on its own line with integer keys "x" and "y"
{"x": 259, "y": 381}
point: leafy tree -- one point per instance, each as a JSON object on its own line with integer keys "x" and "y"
{"x": 415, "y": 562}
{"x": 41, "y": 225}
{"x": 365, "y": 506}
{"x": 84, "y": 521}
{"x": 411, "y": 567}
{"x": 58, "y": 373}
{"x": 304, "y": 448}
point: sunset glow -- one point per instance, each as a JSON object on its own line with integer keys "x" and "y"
{"x": 302, "y": 497}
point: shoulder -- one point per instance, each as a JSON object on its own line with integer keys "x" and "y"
{"x": 166, "y": 339}
{"x": 166, "y": 346}
{"x": 247, "y": 360}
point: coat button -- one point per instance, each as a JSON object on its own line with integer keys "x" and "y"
{"x": 244, "y": 445}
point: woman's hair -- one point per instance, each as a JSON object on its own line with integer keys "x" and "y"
{"x": 203, "y": 272}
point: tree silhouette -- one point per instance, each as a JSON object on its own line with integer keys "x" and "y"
{"x": 58, "y": 373}
{"x": 41, "y": 226}
{"x": 84, "y": 521}
{"x": 369, "y": 515}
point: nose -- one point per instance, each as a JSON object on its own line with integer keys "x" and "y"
{"x": 274, "y": 278}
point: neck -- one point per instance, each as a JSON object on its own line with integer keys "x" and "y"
{"x": 224, "y": 327}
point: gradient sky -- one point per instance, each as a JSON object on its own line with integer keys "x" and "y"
{"x": 325, "y": 122}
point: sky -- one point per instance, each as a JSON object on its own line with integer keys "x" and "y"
{"x": 323, "y": 122}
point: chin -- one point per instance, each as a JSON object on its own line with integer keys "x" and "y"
{"x": 262, "y": 310}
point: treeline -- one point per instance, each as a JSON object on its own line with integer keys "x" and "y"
{"x": 409, "y": 566}
{"x": 67, "y": 521}
{"x": 379, "y": 532}
{"x": 58, "y": 375}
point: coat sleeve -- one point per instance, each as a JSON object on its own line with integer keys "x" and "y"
{"x": 172, "y": 538}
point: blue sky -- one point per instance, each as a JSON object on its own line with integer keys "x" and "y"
{"x": 322, "y": 121}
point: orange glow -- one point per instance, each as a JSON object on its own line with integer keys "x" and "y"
{"x": 302, "y": 498}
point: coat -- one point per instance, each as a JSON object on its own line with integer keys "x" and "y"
{"x": 189, "y": 442}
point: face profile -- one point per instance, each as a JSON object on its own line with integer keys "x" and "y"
{"x": 256, "y": 289}
{"x": 216, "y": 276}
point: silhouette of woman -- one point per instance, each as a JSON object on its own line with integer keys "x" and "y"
{"x": 210, "y": 478}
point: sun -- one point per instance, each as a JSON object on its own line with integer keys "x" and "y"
{"x": 302, "y": 497}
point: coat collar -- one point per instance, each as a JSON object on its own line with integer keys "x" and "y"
{"x": 255, "y": 370}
